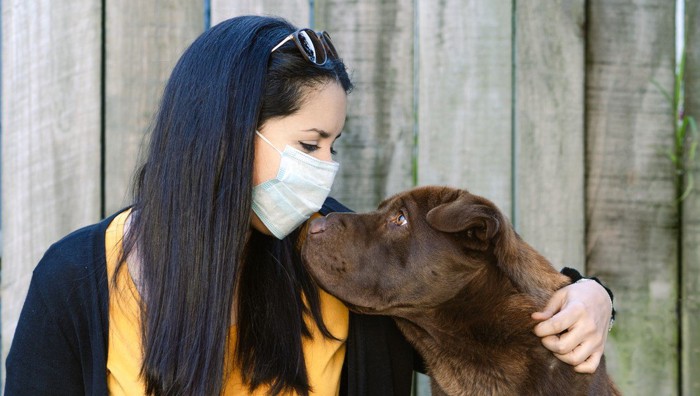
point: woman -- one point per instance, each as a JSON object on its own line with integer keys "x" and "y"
{"x": 198, "y": 289}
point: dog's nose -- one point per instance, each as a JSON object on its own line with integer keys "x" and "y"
{"x": 317, "y": 226}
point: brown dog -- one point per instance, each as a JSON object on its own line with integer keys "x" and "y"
{"x": 460, "y": 284}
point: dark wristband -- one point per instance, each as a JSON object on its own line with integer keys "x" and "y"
{"x": 576, "y": 276}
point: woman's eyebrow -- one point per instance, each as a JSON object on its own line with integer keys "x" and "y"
{"x": 321, "y": 132}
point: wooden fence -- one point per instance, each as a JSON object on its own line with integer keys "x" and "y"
{"x": 553, "y": 109}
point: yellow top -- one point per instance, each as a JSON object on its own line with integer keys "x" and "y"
{"x": 324, "y": 357}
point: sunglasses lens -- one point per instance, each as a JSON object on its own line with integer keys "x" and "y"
{"x": 311, "y": 46}
{"x": 326, "y": 38}
{"x": 316, "y": 47}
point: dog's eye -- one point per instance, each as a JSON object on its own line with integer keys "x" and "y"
{"x": 400, "y": 219}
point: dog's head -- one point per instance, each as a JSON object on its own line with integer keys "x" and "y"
{"x": 417, "y": 250}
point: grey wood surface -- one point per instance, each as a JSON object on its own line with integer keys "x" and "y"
{"x": 549, "y": 128}
{"x": 465, "y": 97}
{"x": 375, "y": 39}
{"x": 464, "y": 101}
{"x": 142, "y": 44}
{"x": 632, "y": 235}
{"x": 295, "y": 11}
{"x": 690, "y": 222}
{"x": 50, "y": 135}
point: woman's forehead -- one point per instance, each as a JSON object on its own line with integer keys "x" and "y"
{"x": 322, "y": 113}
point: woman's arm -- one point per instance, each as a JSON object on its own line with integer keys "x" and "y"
{"x": 42, "y": 360}
{"x": 584, "y": 310}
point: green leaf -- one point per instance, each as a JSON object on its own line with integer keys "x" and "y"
{"x": 691, "y": 152}
{"x": 693, "y": 125}
{"x": 663, "y": 91}
{"x": 672, "y": 156}
{"x": 688, "y": 188}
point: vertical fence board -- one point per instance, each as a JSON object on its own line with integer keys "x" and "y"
{"x": 51, "y": 135}
{"x": 295, "y": 11}
{"x": 464, "y": 100}
{"x": 549, "y": 118}
{"x": 143, "y": 42}
{"x": 375, "y": 39}
{"x": 465, "y": 96}
{"x": 631, "y": 212}
{"x": 690, "y": 222}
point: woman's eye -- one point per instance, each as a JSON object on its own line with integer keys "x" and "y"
{"x": 311, "y": 147}
{"x": 308, "y": 147}
{"x": 400, "y": 219}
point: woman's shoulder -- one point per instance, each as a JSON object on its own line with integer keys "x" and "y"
{"x": 332, "y": 205}
{"x": 77, "y": 257}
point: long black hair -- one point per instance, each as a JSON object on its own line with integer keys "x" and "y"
{"x": 190, "y": 226}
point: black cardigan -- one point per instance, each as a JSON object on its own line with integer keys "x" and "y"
{"x": 60, "y": 344}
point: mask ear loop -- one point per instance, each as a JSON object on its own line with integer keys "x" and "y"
{"x": 267, "y": 141}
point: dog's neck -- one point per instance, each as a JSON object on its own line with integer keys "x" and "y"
{"x": 476, "y": 322}
{"x": 474, "y": 343}
{"x": 490, "y": 335}
{"x": 529, "y": 271}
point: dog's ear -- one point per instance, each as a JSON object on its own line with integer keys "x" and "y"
{"x": 474, "y": 216}
{"x": 483, "y": 225}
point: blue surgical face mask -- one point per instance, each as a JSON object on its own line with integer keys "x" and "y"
{"x": 302, "y": 184}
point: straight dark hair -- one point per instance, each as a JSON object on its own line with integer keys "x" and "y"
{"x": 190, "y": 228}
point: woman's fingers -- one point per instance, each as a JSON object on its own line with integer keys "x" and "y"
{"x": 574, "y": 327}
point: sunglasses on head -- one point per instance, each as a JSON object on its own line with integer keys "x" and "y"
{"x": 316, "y": 47}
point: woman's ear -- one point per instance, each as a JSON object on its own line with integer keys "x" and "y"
{"x": 477, "y": 217}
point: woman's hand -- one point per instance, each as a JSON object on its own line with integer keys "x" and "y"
{"x": 583, "y": 311}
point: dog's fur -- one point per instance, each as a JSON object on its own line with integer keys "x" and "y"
{"x": 460, "y": 284}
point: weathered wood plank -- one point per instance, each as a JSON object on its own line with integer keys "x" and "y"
{"x": 143, "y": 42}
{"x": 376, "y": 41}
{"x": 465, "y": 100}
{"x": 295, "y": 11}
{"x": 549, "y": 135}
{"x": 465, "y": 96}
{"x": 690, "y": 222}
{"x": 632, "y": 236}
{"x": 51, "y": 135}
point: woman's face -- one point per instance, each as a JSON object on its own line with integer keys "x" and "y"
{"x": 312, "y": 130}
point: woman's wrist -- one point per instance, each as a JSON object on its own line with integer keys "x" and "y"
{"x": 576, "y": 277}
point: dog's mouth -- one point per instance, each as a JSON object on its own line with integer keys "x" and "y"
{"x": 351, "y": 306}
{"x": 399, "y": 310}
{"x": 384, "y": 309}
{"x": 362, "y": 310}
